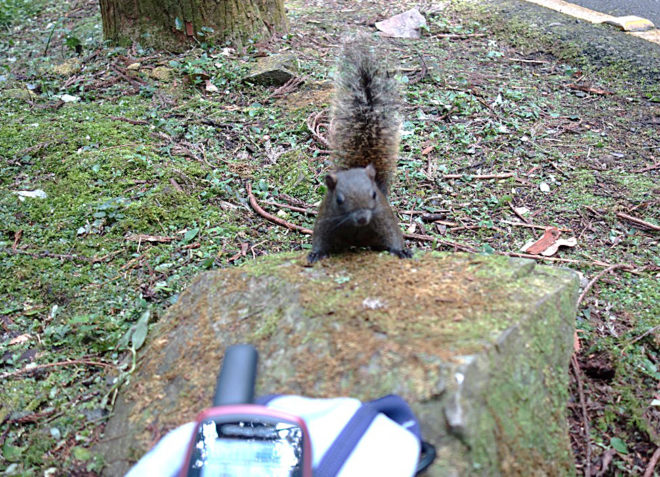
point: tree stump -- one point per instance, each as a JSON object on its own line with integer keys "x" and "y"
{"x": 176, "y": 25}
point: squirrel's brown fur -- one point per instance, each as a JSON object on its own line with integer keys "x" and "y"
{"x": 364, "y": 136}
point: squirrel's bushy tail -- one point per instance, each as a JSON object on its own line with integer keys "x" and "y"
{"x": 365, "y": 118}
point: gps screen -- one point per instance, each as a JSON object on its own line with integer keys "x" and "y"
{"x": 253, "y": 448}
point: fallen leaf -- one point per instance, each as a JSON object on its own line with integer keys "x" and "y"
{"x": 38, "y": 193}
{"x": 588, "y": 89}
{"x": 576, "y": 341}
{"x": 403, "y": 25}
{"x": 21, "y": 339}
{"x": 17, "y": 238}
{"x": 140, "y": 330}
{"x": 210, "y": 87}
{"x": 242, "y": 253}
{"x": 372, "y": 303}
{"x": 521, "y": 210}
{"x": 148, "y": 238}
{"x": 67, "y": 98}
{"x": 552, "y": 249}
{"x": 550, "y": 236}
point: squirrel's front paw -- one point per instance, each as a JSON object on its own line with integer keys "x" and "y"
{"x": 316, "y": 256}
{"x": 403, "y": 253}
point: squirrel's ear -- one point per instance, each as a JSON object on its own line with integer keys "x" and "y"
{"x": 371, "y": 172}
{"x": 331, "y": 181}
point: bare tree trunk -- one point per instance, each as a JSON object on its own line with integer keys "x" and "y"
{"x": 176, "y": 24}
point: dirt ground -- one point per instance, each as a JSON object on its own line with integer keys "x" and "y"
{"x": 511, "y": 126}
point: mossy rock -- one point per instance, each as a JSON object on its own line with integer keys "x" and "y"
{"x": 273, "y": 70}
{"x": 479, "y": 345}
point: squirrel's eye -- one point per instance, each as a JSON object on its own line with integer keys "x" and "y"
{"x": 373, "y": 195}
{"x": 340, "y": 199}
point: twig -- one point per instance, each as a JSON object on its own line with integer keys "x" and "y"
{"x": 104, "y": 258}
{"x": 422, "y": 73}
{"x": 534, "y": 62}
{"x": 291, "y": 207}
{"x": 17, "y": 238}
{"x": 314, "y": 124}
{"x": 50, "y": 37}
{"x": 137, "y": 122}
{"x": 532, "y": 226}
{"x": 597, "y": 277}
{"x": 48, "y": 255}
{"x": 595, "y": 263}
{"x": 585, "y": 420}
{"x": 588, "y": 89}
{"x": 644, "y": 204}
{"x": 637, "y": 221}
{"x": 116, "y": 69}
{"x": 294, "y": 201}
{"x": 429, "y": 238}
{"x": 51, "y": 365}
{"x": 148, "y": 238}
{"x": 459, "y": 36}
{"x": 34, "y": 417}
{"x": 479, "y": 176}
{"x": 520, "y": 216}
{"x": 649, "y": 168}
{"x": 646, "y": 333}
{"x": 605, "y": 462}
{"x": 593, "y": 211}
{"x": 475, "y": 227}
{"x": 652, "y": 463}
{"x": 272, "y": 218}
{"x": 288, "y": 87}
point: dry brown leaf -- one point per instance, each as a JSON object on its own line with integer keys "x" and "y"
{"x": 552, "y": 249}
{"x": 576, "y": 341}
{"x": 148, "y": 238}
{"x": 550, "y": 236}
{"x": 20, "y": 339}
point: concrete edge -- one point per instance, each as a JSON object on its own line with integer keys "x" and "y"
{"x": 632, "y": 25}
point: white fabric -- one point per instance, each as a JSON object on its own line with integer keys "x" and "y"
{"x": 167, "y": 457}
{"x": 386, "y": 448}
{"x": 325, "y": 418}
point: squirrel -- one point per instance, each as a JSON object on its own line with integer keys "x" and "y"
{"x": 364, "y": 137}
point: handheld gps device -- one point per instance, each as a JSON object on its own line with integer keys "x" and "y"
{"x": 237, "y": 438}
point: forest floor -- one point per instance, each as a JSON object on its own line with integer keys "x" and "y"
{"x": 122, "y": 176}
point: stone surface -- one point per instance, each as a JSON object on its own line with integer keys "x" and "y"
{"x": 631, "y": 23}
{"x": 68, "y": 67}
{"x": 162, "y": 73}
{"x": 273, "y": 70}
{"x": 602, "y": 45}
{"x": 479, "y": 345}
{"x": 404, "y": 25}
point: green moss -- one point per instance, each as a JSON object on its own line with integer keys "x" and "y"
{"x": 293, "y": 174}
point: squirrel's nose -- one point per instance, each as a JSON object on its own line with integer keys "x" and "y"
{"x": 362, "y": 217}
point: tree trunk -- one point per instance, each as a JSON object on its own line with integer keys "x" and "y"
{"x": 176, "y": 24}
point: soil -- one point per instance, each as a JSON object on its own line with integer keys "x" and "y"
{"x": 146, "y": 180}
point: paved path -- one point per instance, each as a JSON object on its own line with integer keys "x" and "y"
{"x": 649, "y": 9}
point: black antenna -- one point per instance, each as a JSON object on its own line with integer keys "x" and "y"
{"x": 237, "y": 376}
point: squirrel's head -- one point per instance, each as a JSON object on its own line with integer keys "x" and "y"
{"x": 354, "y": 193}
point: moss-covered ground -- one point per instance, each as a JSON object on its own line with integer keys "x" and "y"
{"x": 145, "y": 180}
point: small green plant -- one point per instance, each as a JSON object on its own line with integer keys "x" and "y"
{"x": 13, "y": 10}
